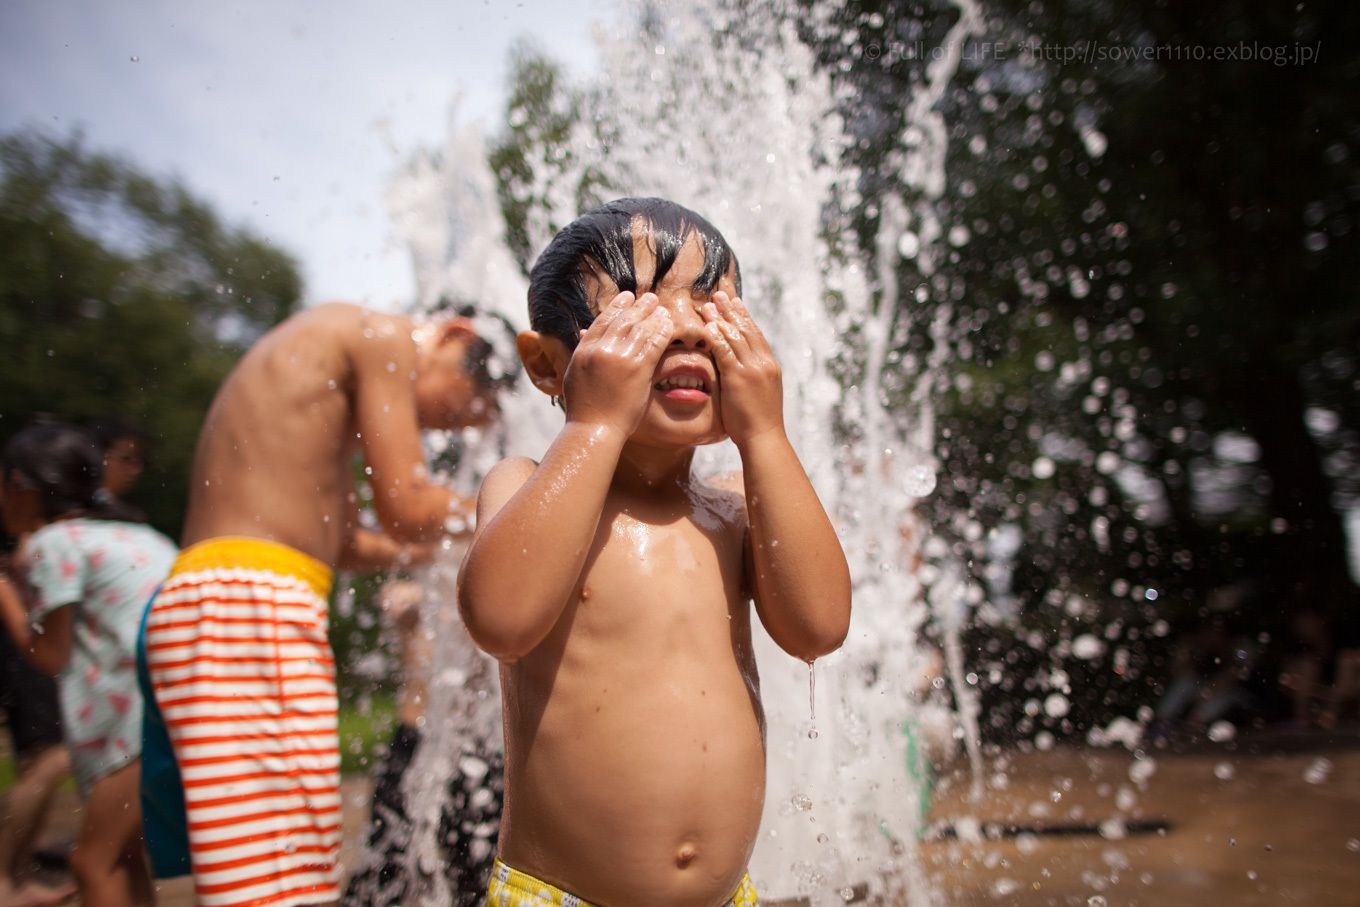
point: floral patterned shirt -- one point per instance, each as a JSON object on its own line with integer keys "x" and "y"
{"x": 107, "y": 571}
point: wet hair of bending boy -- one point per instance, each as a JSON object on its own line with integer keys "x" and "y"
{"x": 559, "y": 288}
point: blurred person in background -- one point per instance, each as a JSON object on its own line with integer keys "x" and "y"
{"x": 251, "y": 716}
{"x": 87, "y": 575}
{"x": 124, "y": 443}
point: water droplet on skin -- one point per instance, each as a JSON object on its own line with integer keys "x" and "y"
{"x": 812, "y": 691}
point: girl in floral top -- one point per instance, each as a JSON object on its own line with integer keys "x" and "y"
{"x": 89, "y": 578}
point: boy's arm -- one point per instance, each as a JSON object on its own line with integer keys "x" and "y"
{"x": 410, "y": 507}
{"x": 364, "y": 550}
{"x": 536, "y": 524}
{"x": 797, "y": 572}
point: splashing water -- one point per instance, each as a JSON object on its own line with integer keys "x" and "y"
{"x": 730, "y": 116}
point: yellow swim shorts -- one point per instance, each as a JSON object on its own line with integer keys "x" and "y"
{"x": 512, "y": 888}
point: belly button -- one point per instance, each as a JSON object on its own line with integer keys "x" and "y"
{"x": 685, "y": 855}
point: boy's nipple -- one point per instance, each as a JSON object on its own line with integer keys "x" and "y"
{"x": 685, "y": 855}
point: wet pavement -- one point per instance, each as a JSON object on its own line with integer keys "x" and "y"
{"x": 1264, "y": 820}
{"x": 1269, "y": 820}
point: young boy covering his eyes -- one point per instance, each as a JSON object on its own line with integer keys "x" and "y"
{"x": 615, "y": 587}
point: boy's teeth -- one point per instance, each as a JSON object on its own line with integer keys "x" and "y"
{"x": 680, "y": 381}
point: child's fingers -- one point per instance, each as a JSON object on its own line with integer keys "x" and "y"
{"x": 607, "y": 315}
{"x": 639, "y": 320}
{"x": 654, "y": 332}
{"x": 740, "y": 318}
{"x": 721, "y": 325}
{"x": 720, "y": 335}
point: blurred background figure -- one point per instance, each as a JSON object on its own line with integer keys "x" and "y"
{"x": 1209, "y": 683}
{"x": 124, "y": 444}
{"x": 89, "y": 574}
{"x": 1322, "y": 676}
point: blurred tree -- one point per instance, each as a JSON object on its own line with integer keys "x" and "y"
{"x": 1155, "y": 250}
{"x": 1150, "y": 236}
{"x": 122, "y": 294}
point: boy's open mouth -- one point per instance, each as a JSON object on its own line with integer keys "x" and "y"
{"x": 685, "y": 382}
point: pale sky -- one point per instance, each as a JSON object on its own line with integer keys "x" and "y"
{"x": 287, "y": 116}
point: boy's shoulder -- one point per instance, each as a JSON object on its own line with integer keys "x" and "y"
{"x": 340, "y": 336}
{"x": 347, "y": 324}
{"x": 500, "y": 484}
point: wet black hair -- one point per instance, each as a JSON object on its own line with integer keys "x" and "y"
{"x": 63, "y": 463}
{"x": 559, "y": 295}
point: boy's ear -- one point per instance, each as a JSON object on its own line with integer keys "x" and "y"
{"x": 545, "y": 360}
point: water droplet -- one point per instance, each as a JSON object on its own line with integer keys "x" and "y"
{"x": 812, "y": 734}
{"x": 1225, "y": 771}
{"x": 135, "y": 59}
{"x": 812, "y": 691}
{"x": 847, "y": 894}
{"x": 802, "y": 802}
{"x": 1318, "y": 772}
{"x": 822, "y": 839}
{"x": 1096, "y": 900}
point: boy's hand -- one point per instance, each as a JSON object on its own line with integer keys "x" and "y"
{"x": 609, "y": 379}
{"x": 749, "y": 375}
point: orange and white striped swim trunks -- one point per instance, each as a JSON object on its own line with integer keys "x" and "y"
{"x": 242, "y": 670}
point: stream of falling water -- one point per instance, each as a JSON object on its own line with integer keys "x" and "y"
{"x": 724, "y": 111}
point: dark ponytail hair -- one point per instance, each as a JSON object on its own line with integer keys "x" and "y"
{"x": 64, "y": 464}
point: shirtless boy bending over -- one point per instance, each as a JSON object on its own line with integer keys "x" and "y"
{"x": 615, "y": 586}
{"x": 235, "y": 641}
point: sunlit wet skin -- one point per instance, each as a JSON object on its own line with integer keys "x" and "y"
{"x": 275, "y": 454}
{"x": 635, "y": 767}
{"x": 641, "y": 780}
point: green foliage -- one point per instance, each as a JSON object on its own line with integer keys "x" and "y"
{"x": 121, "y": 294}
{"x": 365, "y": 726}
{"x": 541, "y": 115}
{"x": 1157, "y": 255}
